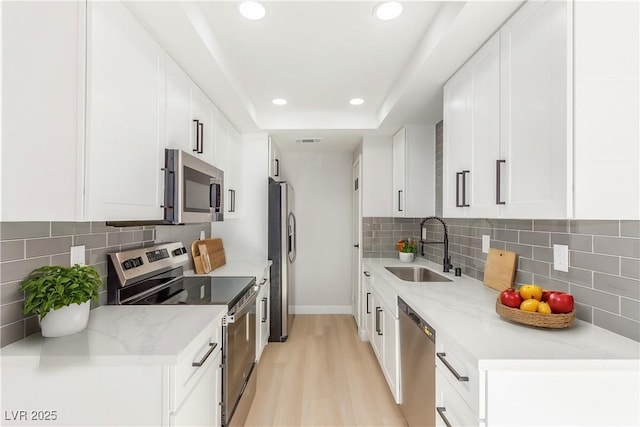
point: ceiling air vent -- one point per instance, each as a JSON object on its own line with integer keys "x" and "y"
{"x": 307, "y": 140}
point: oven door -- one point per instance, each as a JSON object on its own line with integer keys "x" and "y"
{"x": 239, "y": 354}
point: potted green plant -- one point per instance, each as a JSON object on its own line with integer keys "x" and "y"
{"x": 60, "y": 297}
{"x": 408, "y": 250}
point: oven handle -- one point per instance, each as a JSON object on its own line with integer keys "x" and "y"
{"x": 231, "y": 317}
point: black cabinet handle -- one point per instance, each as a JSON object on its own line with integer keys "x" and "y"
{"x": 498, "y": 179}
{"x": 201, "y": 132}
{"x": 441, "y": 410}
{"x": 458, "y": 204}
{"x": 453, "y": 371}
{"x": 232, "y": 200}
{"x": 399, "y": 207}
{"x": 197, "y": 135}
{"x": 367, "y": 296}
{"x": 212, "y": 346}
{"x": 264, "y": 310}
{"x": 378, "y": 327}
{"x": 366, "y": 273}
{"x": 277, "y": 167}
{"x": 464, "y": 189}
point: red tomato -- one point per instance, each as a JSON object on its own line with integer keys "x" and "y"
{"x": 561, "y": 302}
{"x": 511, "y": 298}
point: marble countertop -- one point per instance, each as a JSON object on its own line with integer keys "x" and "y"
{"x": 238, "y": 268}
{"x": 464, "y": 311}
{"x": 119, "y": 336}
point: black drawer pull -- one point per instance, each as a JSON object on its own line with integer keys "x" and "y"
{"x": 453, "y": 371}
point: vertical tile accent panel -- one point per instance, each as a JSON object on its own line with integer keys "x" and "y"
{"x": 25, "y": 246}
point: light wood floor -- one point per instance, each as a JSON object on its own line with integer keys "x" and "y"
{"x": 322, "y": 376}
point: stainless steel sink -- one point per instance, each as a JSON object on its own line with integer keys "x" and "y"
{"x": 417, "y": 274}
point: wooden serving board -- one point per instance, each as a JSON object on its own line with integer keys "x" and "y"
{"x": 208, "y": 254}
{"x": 500, "y": 269}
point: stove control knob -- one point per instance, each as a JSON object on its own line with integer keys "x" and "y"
{"x": 179, "y": 251}
{"x": 127, "y": 264}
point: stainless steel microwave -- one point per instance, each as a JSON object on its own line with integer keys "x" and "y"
{"x": 193, "y": 189}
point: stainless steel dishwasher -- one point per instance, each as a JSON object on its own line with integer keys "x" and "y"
{"x": 418, "y": 366}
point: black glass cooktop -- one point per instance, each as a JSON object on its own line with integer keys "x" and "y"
{"x": 199, "y": 291}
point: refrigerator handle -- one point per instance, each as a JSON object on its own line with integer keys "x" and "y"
{"x": 292, "y": 237}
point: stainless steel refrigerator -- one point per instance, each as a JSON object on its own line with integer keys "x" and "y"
{"x": 282, "y": 253}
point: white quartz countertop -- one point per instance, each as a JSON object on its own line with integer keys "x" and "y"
{"x": 237, "y": 268}
{"x": 464, "y": 311}
{"x": 120, "y": 336}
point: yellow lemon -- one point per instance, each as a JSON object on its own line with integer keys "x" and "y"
{"x": 544, "y": 308}
{"x": 529, "y": 305}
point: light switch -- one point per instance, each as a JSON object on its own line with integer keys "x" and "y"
{"x": 77, "y": 255}
{"x": 486, "y": 243}
{"x": 561, "y": 257}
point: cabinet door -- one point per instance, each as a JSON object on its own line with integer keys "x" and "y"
{"x": 201, "y": 406}
{"x": 124, "y": 113}
{"x": 262, "y": 319}
{"x": 203, "y": 110}
{"x": 274, "y": 161}
{"x": 179, "y": 127}
{"x": 484, "y": 68}
{"x": 233, "y": 175}
{"x": 457, "y": 142}
{"x": 399, "y": 173}
{"x": 43, "y": 67}
{"x": 376, "y": 333}
{"x": 535, "y": 125}
{"x": 390, "y": 349}
{"x": 366, "y": 309}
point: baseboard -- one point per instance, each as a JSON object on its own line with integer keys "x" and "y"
{"x": 363, "y": 335}
{"x": 321, "y": 309}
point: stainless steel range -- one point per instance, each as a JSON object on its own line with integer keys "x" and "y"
{"x": 154, "y": 275}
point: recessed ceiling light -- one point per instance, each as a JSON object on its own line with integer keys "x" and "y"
{"x": 252, "y": 10}
{"x": 279, "y": 101}
{"x": 388, "y": 10}
{"x": 356, "y": 101}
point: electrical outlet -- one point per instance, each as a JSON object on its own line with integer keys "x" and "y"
{"x": 486, "y": 242}
{"x": 201, "y": 235}
{"x": 77, "y": 255}
{"x": 561, "y": 257}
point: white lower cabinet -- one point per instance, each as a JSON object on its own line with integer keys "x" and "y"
{"x": 366, "y": 328}
{"x": 262, "y": 319}
{"x": 382, "y": 328}
{"x": 451, "y": 408}
{"x": 201, "y": 406}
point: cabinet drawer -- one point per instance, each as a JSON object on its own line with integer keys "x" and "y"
{"x": 202, "y": 351}
{"x": 451, "y": 405}
{"x": 461, "y": 372}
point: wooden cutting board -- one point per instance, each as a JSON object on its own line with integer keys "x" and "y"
{"x": 210, "y": 257}
{"x": 500, "y": 269}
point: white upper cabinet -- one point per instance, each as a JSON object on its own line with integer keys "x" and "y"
{"x": 377, "y": 179}
{"x": 274, "y": 161}
{"x": 507, "y": 121}
{"x": 535, "y": 111}
{"x": 413, "y": 171}
{"x": 180, "y": 130}
{"x": 472, "y": 135}
{"x": 202, "y": 124}
{"x": 606, "y": 111}
{"x": 43, "y": 64}
{"x": 125, "y": 115}
{"x": 228, "y": 157}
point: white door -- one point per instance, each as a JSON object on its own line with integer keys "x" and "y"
{"x": 357, "y": 237}
{"x": 399, "y": 180}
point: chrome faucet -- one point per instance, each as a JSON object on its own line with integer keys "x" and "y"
{"x": 446, "y": 261}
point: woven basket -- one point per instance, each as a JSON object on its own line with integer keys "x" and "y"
{"x": 555, "y": 321}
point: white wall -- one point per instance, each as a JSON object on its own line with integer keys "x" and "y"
{"x": 322, "y": 205}
{"x": 377, "y": 165}
{"x": 245, "y": 238}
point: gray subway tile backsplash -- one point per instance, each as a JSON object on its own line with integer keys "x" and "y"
{"x": 25, "y": 246}
{"x": 534, "y": 238}
{"x": 630, "y": 308}
{"x": 621, "y": 246}
{"x": 595, "y": 262}
{"x": 595, "y": 298}
{"x": 576, "y": 242}
{"x": 618, "y": 324}
{"x": 622, "y": 286}
{"x": 630, "y": 268}
{"x": 630, "y": 228}
{"x": 596, "y": 227}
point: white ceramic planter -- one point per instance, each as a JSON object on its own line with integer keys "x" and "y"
{"x": 406, "y": 256}
{"x": 66, "y": 320}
